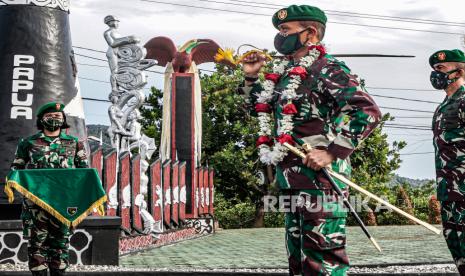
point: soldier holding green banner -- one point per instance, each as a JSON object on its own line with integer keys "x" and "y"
{"x": 50, "y": 171}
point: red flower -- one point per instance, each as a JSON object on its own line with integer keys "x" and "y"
{"x": 286, "y": 138}
{"x": 264, "y": 140}
{"x": 320, "y": 48}
{"x": 272, "y": 77}
{"x": 262, "y": 107}
{"x": 289, "y": 109}
{"x": 299, "y": 71}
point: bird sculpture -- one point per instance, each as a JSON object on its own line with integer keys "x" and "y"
{"x": 195, "y": 50}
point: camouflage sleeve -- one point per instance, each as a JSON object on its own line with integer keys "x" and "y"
{"x": 80, "y": 159}
{"x": 249, "y": 93}
{"x": 353, "y": 101}
{"x": 21, "y": 156}
{"x": 461, "y": 111}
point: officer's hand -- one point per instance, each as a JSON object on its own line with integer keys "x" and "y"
{"x": 317, "y": 159}
{"x": 252, "y": 64}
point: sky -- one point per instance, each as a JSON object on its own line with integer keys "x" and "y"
{"x": 239, "y": 22}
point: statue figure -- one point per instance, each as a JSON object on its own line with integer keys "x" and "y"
{"x": 126, "y": 59}
{"x": 115, "y": 114}
{"x": 132, "y": 131}
{"x": 115, "y": 41}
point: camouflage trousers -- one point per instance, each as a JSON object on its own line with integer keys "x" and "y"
{"x": 48, "y": 238}
{"x": 315, "y": 237}
{"x": 453, "y": 222}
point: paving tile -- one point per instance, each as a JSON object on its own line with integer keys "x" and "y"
{"x": 264, "y": 248}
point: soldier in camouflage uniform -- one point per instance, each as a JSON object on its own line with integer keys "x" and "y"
{"x": 50, "y": 148}
{"x": 334, "y": 114}
{"x": 449, "y": 144}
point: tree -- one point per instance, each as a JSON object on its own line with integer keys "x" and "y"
{"x": 373, "y": 164}
{"x": 229, "y": 135}
{"x": 151, "y": 114}
{"x": 434, "y": 210}
{"x": 404, "y": 202}
{"x": 375, "y": 160}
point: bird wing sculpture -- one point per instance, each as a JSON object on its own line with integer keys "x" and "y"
{"x": 162, "y": 49}
{"x": 204, "y": 50}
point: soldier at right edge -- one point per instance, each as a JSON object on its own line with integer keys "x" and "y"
{"x": 449, "y": 142}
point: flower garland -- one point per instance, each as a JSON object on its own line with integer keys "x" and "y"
{"x": 270, "y": 152}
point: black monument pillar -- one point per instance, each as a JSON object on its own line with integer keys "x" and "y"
{"x": 36, "y": 66}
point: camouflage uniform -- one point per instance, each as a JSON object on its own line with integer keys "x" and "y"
{"x": 449, "y": 144}
{"x": 334, "y": 113}
{"x": 48, "y": 237}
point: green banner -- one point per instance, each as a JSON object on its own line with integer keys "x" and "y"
{"x": 67, "y": 194}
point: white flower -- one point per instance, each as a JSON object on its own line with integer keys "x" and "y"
{"x": 264, "y": 120}
{"x": 287, "y": 126}
{"x": 267, "y": 93}
{"x": 279, "y": 66}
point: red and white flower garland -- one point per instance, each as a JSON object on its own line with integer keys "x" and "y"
{"x": 269, "y": 151}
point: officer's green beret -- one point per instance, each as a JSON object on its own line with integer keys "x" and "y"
{"x": 50, "y": 107}
{"x": 299, "y": 13}
{"x": 446, "y": 56}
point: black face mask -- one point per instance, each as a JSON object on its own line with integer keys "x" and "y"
{"x": 289, "y": 44}
{"x": 440, "y": 80}
{"x": 52, "y": 124}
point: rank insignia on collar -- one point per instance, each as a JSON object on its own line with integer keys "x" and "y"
{"x": 442, "y": 56}
{"x": 282, "y": 14}
{"x": 71, "y": 210}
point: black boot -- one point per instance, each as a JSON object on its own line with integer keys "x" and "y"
{"x": 39, "y": 272}
{"x": 57, "y": 272}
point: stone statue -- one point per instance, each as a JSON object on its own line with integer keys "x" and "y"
{"x": 115, "y": 41}
{"x": 126, "y": 62}
{"x": 126, "y": 59}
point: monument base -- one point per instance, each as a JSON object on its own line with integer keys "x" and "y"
{"x": 143, "y": 242}
{"x": 94, "y": 242}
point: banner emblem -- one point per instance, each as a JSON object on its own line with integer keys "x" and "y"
{"x": 71, "y": 210}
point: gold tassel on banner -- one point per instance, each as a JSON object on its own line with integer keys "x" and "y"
{"x": 101, "y": 210}
{"x": 96, "y": 205}
{"x": 38, "y": 201}
{"x": 9, "y": 192}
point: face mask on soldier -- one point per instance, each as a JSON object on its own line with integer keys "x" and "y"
{"x": 288, "y": 44}
{"x": 440, "y": 80}
{"x": 51, "y": 123}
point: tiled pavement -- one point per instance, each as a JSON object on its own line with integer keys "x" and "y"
{"x": 264, "y": 248}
